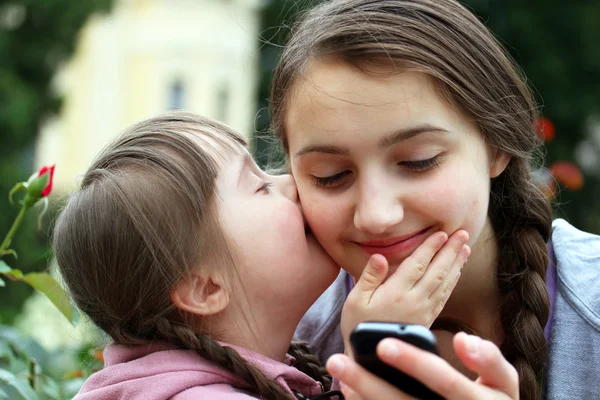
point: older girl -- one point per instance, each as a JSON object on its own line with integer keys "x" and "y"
{"x": 404, "y": 117}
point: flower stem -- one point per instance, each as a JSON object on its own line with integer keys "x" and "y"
{"x": 13, "y": 229}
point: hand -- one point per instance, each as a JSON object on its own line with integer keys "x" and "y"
{"x": 415, "y": 293}
{"x": 498, "y": 379}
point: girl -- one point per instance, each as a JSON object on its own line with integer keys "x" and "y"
{"x": 198, "y": 266}
{"x": 404, "y": 117}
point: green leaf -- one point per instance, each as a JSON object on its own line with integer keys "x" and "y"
{"x": 4, "y": 267}
{"x": 7, "y": 355}
{"x": 2, "y": 283}
{"x": 48, "y": 387}
{"x": 45, "y": 284}
{"x": 14, "y": 273}
{"x": 15, "y": 189}
{"x": 20, "y": 385}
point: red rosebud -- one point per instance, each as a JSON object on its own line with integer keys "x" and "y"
{"x": 40, "y": 183}
{"x": 544, "y": 128}
{"x": 568, "y": 174}
{"x": 44, "y": 170}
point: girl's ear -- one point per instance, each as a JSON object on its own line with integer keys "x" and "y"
{"x": 500, "y": 160}
{"x": 201, "y": 294}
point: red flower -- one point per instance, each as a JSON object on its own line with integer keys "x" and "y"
{"x": 544, "y": 129}
{"x": 40, "y": 184}
{"x": 48, "y": 187}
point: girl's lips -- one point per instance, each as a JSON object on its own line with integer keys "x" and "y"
{"x": 395, "y": 246}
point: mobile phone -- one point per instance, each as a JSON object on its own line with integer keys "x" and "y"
{"x": 364, "y": 339}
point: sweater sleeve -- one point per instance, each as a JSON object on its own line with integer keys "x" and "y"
{"x": 573, "y": 369}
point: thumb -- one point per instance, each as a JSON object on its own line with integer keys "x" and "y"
{"x": 373, "y": 275}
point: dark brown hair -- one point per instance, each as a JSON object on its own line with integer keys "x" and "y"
{"x": 444, "y": 40}
{"x": 144, "y": 217}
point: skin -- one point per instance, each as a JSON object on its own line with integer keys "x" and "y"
{"x": 384, "y": 156}
{"x": 280, "y": 269}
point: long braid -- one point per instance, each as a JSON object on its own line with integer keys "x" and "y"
{"x": 522, "y": 219}
{"x": 223, "y": 356}
{"x": 309, "y": 363}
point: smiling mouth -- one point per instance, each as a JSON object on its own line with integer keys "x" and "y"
{"x": 395, "y": 245}
{"x": 391, "y": 241}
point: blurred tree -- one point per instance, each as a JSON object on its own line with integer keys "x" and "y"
{"x": 556, "y": 44}
{"x": 35, "y": 38}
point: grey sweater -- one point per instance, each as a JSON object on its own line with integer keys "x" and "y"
{"x": 573, "y": 370}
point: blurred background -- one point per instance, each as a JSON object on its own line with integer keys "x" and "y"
{"x": 73, "y": 74}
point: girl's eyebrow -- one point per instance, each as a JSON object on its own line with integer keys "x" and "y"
{"x": 408, "y": 133}
{"x": 385, "y": 142}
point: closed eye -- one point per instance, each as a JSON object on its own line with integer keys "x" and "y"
{"x": 330, "y": 181}
{"x": 265, "y": 187}
{"x": 421, "y": 165}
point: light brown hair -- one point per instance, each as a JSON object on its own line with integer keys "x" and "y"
{"x": 145, "y": 216}
{"x": 444, "y": 40}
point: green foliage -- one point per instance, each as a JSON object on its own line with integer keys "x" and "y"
{"x": 555, "y": 43}
{"x": 35, "y": 38}
{"x": 29, "y": 372}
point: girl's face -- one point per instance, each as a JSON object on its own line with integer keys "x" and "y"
{"x": 382, "y": 162}
{"x": 283, "y": 269}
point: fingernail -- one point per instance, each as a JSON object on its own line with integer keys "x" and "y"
{"x": 390, "y": 349}
{"x": 473, "y": 345}
{"x": 335, "y": 366}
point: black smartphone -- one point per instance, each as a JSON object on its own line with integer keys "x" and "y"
{"x": 364, "y": 339}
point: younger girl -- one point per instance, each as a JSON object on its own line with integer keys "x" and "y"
{"x": 404, "y": 117}
{"x": 198, "y": 266}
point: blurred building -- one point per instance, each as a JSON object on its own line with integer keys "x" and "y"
{"x": 146, "y": 57}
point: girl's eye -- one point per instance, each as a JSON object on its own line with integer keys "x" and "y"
{"x": 421, "y": 165}
{"x": 329, "y": 181}
{"x": 265, "y": 187}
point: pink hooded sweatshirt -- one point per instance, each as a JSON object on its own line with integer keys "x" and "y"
{"x": 159, "y": 371}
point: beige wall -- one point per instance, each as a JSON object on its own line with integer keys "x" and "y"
{"x": 127, "y": 63}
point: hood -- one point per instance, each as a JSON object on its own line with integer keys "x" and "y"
{"x": 159, "y": 371}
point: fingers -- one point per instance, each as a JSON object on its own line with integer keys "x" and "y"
{"x": 372, "y": 277}
{"x": 358, "y": 383}
{"x": 443, "y": 291}
{"x": 441, "y": 266}
{"x": 359, "y": 299}
{"x": 349, "y": 393}
{"x": 485, "y": 358}
{"x": 431, "y": 370}
{"x": 414, "y": 266}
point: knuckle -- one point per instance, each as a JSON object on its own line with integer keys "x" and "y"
{"x": 370, "y": 278}
{"x": 441, "y": 277}
{"x": 420, "y": 267}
